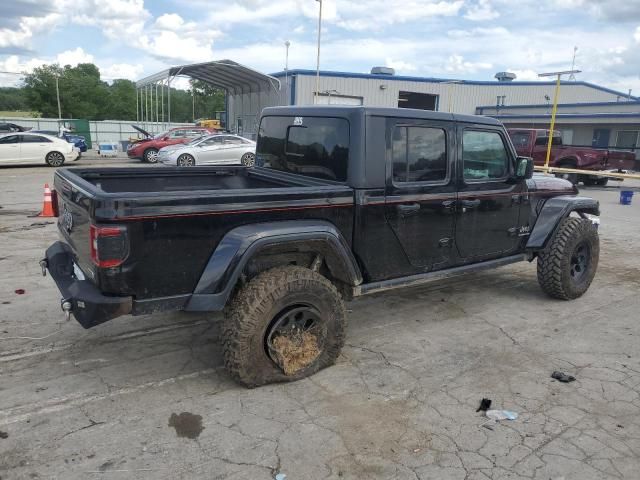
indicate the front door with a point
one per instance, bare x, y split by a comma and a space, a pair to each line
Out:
421, 191
209, 150
488, 206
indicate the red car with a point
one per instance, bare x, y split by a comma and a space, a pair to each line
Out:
147, 148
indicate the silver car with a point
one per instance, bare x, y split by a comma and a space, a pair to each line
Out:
218, 149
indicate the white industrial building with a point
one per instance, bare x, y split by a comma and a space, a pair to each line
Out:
588, 114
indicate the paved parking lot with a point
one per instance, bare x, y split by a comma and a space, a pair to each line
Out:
147, 397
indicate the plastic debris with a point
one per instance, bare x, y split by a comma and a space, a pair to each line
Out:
562, 377
501, 415
485, 404
281, 476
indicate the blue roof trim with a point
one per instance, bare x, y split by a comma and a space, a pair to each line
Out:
544, 105
570, 115
328, 73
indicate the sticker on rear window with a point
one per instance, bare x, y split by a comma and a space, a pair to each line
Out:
297, 121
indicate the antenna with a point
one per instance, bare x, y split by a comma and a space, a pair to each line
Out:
573, 64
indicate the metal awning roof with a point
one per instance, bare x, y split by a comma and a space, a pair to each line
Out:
225, 74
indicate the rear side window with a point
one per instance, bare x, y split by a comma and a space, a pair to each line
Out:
8, 139
312, 146
419, 154
520, 139
484, 155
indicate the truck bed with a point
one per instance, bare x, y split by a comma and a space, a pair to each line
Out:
181, 213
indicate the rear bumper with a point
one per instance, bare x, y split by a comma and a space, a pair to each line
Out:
88, 305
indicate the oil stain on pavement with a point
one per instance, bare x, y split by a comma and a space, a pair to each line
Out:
186, 424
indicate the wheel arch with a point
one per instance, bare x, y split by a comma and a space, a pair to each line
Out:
551, 215
249, 243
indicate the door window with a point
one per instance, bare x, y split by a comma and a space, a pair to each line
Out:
34, 139
178, 134
9, 139
419, 154
212, 141
233, 141
627, 139
484, 156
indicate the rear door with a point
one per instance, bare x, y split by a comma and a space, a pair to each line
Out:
33, 148
10, 149
421, 190
488, 206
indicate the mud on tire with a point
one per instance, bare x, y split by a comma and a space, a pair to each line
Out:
251, 315
568, 264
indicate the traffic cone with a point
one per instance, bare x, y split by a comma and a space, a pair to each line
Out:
47, 206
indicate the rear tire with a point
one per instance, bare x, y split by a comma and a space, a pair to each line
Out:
589, 181
54, 159
602, 182
572, 177
150, 155
257, 311
248, 159
568, 264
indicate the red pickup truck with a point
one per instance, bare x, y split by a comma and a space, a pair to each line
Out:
531, 142
147, 148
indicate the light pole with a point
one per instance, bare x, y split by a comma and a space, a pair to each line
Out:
318, 59
286, 69
554, 109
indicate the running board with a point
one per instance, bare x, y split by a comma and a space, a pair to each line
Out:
422, 278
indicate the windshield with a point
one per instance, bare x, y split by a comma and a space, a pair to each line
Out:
197, 140
312, 146
160, 135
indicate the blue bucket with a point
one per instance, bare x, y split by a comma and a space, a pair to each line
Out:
625, 197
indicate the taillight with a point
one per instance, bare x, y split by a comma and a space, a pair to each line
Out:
109, 245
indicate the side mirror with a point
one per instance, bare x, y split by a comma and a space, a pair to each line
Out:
165, 138
524, 168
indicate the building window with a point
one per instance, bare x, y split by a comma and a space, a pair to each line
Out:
419, 154
627, 139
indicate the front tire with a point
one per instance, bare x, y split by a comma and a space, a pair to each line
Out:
186, 160
54, 159
278, 304
150, 155
248, 159
568, 264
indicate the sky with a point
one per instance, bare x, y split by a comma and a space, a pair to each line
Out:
458, 39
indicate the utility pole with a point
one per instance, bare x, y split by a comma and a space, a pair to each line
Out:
318, 59
573, 64
554, 110
58, 98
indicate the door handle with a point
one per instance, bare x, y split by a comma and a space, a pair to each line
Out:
408, 209
471, 203
449, 205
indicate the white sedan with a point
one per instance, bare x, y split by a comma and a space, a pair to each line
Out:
218, 149
20, 148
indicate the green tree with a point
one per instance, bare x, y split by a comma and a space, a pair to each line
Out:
12, 99
122, 101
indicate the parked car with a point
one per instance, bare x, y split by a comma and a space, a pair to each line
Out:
350, 201
26, 147
210, 150
11, 127
531, 142
147, 148
77, 140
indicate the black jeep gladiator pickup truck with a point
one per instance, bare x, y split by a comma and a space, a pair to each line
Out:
344, 201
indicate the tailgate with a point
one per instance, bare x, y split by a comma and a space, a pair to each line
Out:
74, 206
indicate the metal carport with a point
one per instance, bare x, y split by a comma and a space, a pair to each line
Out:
241, 84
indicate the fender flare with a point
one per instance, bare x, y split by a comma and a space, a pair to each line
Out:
243, 243
553, 212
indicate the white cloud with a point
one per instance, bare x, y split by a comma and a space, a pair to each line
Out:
636, 35
481, 12
28, 27
400, 66
121, 70
457, 64
299, 29
74, 57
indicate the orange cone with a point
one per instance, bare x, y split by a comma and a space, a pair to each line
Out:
47, 207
